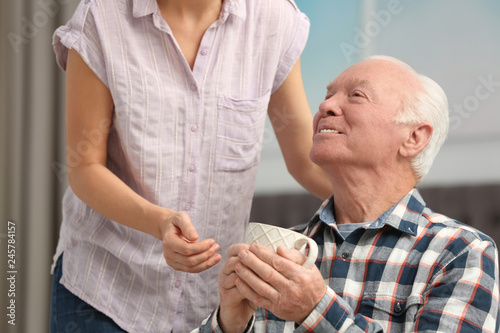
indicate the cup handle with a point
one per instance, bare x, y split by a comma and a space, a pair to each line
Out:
313, 250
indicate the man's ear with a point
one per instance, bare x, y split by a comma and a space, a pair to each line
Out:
417, 140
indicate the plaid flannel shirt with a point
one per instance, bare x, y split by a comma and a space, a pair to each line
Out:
412, 270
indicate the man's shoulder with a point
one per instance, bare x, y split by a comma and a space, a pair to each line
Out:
443, 226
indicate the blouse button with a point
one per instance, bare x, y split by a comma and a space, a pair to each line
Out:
345, 255
187, 207
194, 128
398, 308
192, 87
204, 51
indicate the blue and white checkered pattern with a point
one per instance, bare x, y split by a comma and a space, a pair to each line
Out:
412, 270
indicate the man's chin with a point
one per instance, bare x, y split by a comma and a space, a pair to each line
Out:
319, 156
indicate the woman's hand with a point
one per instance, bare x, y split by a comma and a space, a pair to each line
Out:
180, 248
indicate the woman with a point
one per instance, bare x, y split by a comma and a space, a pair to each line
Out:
165, 109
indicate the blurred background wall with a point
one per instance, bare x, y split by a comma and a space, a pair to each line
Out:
32, 177
455, 42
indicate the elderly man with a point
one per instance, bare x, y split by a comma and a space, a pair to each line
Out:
386, 262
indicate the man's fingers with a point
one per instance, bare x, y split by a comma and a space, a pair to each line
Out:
229, 281
292, 255
278, 262
285, 261
253, 288
229, 266
259, 276
278, 284
235, 249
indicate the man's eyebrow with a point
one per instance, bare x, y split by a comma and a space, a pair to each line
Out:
329, 87
365, 83
372, 92
352, 82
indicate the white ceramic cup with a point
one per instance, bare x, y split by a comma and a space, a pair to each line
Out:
271, 237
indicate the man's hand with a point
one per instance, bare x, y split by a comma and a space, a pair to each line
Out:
235, 311
180, 248
278, 282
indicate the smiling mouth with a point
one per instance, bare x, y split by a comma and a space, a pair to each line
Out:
329, 131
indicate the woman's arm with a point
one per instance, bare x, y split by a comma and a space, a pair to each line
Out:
293, 125
89, 108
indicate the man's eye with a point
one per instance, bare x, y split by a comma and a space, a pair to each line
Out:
357, 94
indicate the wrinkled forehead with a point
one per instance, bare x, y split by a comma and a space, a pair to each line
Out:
381, 76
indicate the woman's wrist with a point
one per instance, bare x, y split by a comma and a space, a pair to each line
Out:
157, 217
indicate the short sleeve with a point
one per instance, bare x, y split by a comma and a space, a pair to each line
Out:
295, 41
82, 34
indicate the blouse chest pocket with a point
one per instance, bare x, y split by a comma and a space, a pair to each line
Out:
240, 127
398, 309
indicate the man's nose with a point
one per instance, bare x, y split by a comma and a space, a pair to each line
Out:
330, 107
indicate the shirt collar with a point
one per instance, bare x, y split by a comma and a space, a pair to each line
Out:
234, 7
143, 7
403, 216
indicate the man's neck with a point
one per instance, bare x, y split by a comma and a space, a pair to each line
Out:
363, 198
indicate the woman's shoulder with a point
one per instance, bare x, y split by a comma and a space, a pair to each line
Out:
107, 7
276, 8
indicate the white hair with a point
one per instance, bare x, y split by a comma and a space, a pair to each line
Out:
427, 105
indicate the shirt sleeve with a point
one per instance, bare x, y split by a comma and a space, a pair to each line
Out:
81, 33
333, 314
461, 296
294, 42
211, 325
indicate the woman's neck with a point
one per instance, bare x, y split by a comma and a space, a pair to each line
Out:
191, 9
